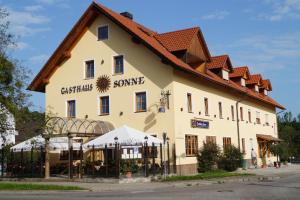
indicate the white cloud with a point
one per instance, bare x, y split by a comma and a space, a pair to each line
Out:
39, 59
59, 3
216, 15
26, 23
263, 53
33, 8
19, 46
282, 9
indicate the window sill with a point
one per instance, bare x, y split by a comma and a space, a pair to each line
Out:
190, 156
142, 111
118, 74
191, 112
89, 78
104, 114
102, 39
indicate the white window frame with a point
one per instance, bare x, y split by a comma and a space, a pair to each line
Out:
243, 82
113, 65
97, 31
134, 101
66, 107
84, 68
99, 108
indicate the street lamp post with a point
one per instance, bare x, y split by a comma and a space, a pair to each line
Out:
146, 156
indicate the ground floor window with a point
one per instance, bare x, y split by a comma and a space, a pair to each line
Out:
71, 108
211, 139
191, 145
104, 105
140, 101
226, 142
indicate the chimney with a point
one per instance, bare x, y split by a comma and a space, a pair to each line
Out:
127, 14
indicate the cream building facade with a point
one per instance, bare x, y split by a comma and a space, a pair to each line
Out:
202, 102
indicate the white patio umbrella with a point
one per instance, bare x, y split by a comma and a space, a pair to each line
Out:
55, 143
125, 136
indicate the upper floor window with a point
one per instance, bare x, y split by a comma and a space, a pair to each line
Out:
191, 145
267, 119
104, 105
206, 106
189, 102
249, 116
103, 32
119, 64
89, 69
71, 108
243, 82
257, 117
225, 75
220, 110
256, 88
140, 101
232, 112
241, 114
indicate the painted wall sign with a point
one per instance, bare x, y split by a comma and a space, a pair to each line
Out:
76, 89
129, 82
199, 124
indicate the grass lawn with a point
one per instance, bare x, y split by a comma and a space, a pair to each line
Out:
207, 175
31, 186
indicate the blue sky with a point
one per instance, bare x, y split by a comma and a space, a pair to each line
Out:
263, 34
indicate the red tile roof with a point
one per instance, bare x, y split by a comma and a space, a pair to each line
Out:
177, 40
149, 39
254, 79
266, 84
218, 62
239, 72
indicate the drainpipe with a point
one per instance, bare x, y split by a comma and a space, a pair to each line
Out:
238, 122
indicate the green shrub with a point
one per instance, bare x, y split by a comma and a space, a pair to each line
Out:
208, 156
230, 159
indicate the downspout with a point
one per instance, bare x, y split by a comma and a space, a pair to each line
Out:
238, 120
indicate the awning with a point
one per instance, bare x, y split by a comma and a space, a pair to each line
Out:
268, 138
55, 143
125, 136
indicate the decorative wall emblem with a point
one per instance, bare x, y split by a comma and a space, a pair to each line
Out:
103, 83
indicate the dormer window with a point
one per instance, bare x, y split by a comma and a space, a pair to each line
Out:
265, 92
256, 88
243, 82
225, 75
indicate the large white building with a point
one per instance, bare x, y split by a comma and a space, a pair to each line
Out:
111, 68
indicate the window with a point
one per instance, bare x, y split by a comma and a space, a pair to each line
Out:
226, 142
243, 82
256, 88
104, 105
232, 113
118, 65
225, 75
220, 110
267, 119
191, 145
241, 114
103, 33
189, 102
206, 106
257, 117
89, 69
211, 139
243, 146
140, 100
249, 116
71, 110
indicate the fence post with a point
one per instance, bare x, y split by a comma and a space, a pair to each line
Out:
31, 162
146, 158
47, 158
11, 162
153, 159
161, 158
93, 160
2, 161
71, 162
81, 158
22, 171
41, 161
168, 156
116, 159
106, 161
174, 159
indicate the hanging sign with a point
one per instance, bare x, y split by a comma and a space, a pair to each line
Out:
199, 124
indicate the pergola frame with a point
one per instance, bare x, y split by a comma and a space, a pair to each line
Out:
71, 127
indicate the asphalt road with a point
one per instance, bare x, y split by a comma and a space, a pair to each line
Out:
284, 188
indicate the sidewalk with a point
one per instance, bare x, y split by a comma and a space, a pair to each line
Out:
262, 175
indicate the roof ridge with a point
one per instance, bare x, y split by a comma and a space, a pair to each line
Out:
196, 27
